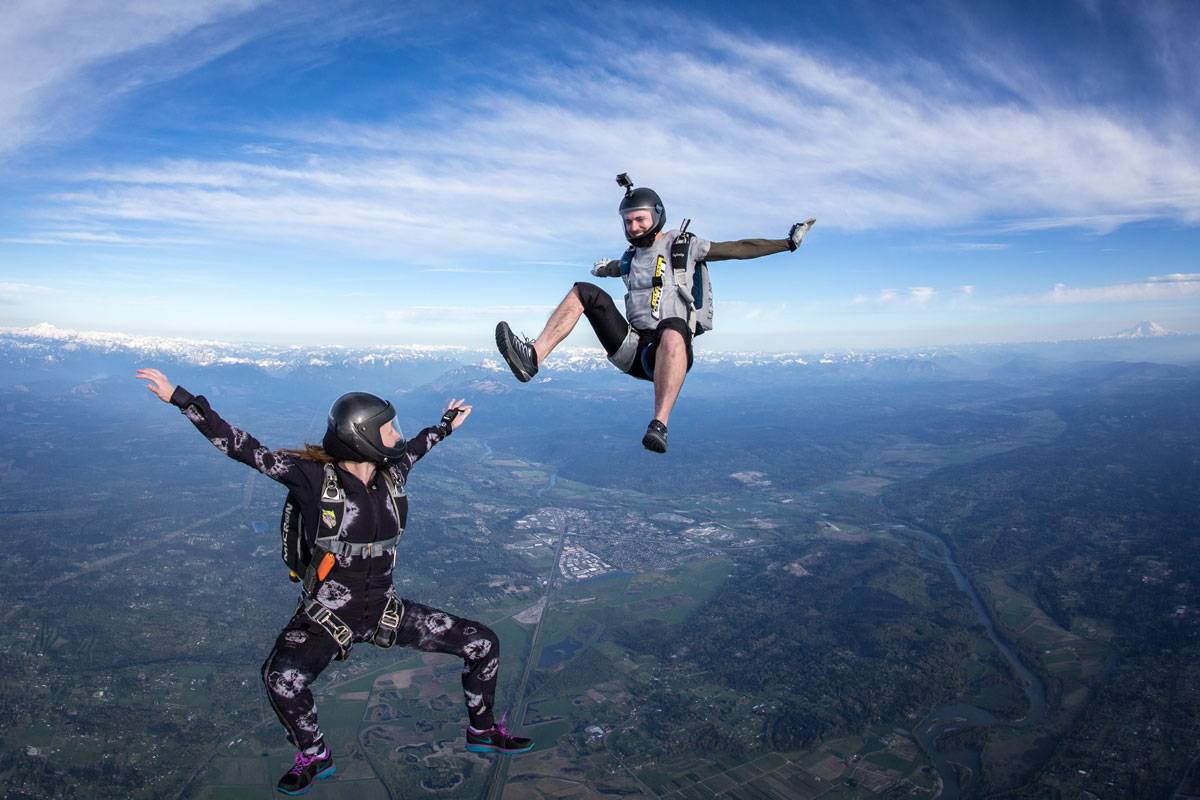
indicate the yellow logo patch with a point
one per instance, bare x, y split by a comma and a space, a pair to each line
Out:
657, 293
328, 518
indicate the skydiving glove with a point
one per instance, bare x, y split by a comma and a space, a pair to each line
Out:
796, 234
601, 269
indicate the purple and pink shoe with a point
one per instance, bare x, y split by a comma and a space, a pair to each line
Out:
497, 739
306, 771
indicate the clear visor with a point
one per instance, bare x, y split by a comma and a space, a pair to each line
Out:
646, 214
396, 427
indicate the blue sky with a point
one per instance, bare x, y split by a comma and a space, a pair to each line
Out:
353, 173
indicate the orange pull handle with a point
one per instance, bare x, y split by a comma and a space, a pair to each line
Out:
326, 565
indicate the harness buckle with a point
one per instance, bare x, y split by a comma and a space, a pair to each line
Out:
390, 619
340, 631
389, 623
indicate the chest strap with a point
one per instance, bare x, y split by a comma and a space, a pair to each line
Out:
333, 505
356, 549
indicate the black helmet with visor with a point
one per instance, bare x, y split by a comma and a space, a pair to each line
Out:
641, 199
353, 430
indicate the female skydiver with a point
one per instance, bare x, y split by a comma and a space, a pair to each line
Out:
360, 470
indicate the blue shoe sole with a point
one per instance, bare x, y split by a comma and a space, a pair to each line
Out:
325, 773
491, 748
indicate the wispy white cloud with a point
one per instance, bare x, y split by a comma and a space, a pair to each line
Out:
767, 134
444, 314
913, 297
921, 295
1157, 287
22, 292
61, 61
65, 65
470, 271
968, 247
746, 311
53, 238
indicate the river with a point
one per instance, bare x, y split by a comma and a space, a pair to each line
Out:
550, 483
956, 717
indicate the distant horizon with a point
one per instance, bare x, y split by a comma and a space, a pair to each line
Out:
46, 330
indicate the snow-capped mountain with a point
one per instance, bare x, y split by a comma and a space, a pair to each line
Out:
48, 340
1142, 330
48, 352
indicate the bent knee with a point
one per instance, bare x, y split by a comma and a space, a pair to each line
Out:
484, 643
670, 338
589, 294
273, 665
672, 327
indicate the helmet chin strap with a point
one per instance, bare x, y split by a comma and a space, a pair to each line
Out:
385, 456
644, 240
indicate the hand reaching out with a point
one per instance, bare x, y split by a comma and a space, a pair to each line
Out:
459, 418
158, 383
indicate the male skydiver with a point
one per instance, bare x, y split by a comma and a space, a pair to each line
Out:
666, 302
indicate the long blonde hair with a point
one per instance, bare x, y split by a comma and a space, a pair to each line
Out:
310, 452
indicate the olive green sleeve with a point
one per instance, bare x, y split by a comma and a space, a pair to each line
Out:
746, 248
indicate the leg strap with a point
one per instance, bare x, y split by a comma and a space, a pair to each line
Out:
389, 622
339, 630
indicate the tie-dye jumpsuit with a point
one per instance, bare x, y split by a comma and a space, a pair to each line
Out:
357, 589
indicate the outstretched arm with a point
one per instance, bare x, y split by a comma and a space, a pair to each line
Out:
233, 442
607, 268
756, 248
455, 415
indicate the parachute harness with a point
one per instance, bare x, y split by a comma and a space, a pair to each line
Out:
333, 505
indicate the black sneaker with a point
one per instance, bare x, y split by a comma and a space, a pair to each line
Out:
656, 437
305, 772
518, 352
497, 739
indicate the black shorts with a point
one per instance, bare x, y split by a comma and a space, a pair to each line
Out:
613, 330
